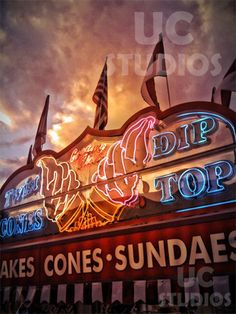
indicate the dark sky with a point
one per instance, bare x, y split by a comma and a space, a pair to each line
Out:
59, 48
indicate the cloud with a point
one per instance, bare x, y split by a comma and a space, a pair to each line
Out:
17, 141
59, 48
9, 161
8, 166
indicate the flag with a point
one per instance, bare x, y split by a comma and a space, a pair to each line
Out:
29, 159
156, 67
228, 85
100, 99
40, 137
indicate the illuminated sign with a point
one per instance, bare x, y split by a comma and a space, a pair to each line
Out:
117, 177
128, 154
14, 196
194, 182
58, 178
21, 224
131, 152
139, 170
187, 136
88, 155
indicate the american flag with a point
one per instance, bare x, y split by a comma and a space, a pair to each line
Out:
156, 67
100, 99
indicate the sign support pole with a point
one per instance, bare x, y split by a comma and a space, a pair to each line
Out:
167, 82
168, 90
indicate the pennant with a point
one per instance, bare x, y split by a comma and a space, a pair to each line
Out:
79, 292
100, 99
191, 289
40, 137
45, 294
140, 290
117, 291
61, 293
97, 292
156, 67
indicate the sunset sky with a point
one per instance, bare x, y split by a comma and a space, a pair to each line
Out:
58, 47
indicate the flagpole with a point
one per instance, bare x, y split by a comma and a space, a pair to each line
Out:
213, 94
167, 82
168, 90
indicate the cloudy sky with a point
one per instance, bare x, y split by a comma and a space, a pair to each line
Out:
58, 47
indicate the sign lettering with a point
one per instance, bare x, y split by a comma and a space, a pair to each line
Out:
21, 224
132, 172
14, 196
158, 252
194, 182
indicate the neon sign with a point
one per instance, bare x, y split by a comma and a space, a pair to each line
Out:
72, 210
78, 199
126, 155
137, 171
58, 180
194, 182
21, 224
88, 155
14, 196
187, 136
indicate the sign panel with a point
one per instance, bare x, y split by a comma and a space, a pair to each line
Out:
148, 167
157, 253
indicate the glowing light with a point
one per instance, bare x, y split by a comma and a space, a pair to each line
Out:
29, 187
193, 182
165, 143
58, 178
202, 127
87, 156
183, 143
198, 183
213, 115
206, 206
220, 170
21, 224
166, 187
121, 157
73, 209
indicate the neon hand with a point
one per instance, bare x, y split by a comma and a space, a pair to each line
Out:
58, 179
125, 156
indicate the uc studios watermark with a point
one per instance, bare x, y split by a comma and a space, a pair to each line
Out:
197, 280
197, 64
180, 64
197, 299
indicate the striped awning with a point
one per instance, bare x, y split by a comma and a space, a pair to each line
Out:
152, 292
